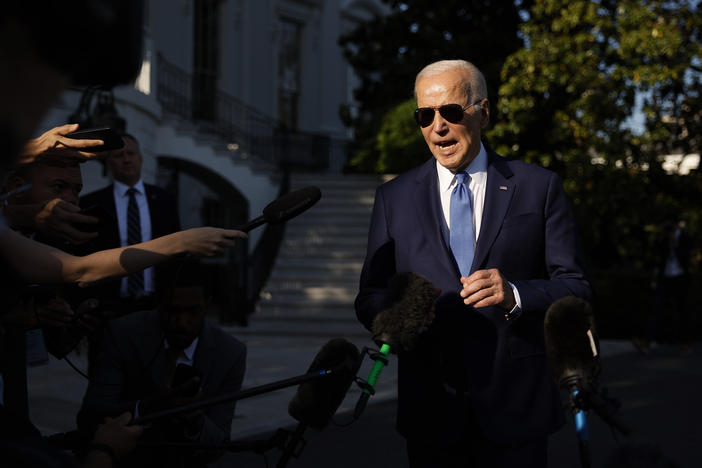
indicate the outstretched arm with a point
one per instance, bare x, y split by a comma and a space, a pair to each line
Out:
40, 263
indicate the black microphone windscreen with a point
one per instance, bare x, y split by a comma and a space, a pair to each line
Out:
569, 335
101, 41
315, 402
404, 311
291, 204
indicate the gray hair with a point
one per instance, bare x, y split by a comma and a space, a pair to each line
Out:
475, 88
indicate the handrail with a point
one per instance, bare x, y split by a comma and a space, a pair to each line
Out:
248, 130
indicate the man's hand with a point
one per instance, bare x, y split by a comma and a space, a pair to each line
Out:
188, 392
487, 288
57, 220
169, 396
209, 241
56, 312
61, 341
86, 322
54, 145
29, 312
117, 435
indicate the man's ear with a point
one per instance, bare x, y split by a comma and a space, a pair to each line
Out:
484, 114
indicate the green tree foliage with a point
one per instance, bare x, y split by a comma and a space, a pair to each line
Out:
399, 144
566, 98
566, 101
387, 52
570, 75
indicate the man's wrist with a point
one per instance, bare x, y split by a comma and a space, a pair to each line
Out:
97, 454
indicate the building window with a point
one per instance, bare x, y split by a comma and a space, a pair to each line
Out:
289, 72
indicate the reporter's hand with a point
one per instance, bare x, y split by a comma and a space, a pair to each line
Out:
57, 219
30, 313
117, 435
183, 394
54, 145
166, 397
87, 322
209, 241
56, 312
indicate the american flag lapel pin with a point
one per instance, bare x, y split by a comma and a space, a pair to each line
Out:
503, 187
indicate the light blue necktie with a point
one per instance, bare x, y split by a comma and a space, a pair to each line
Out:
461, 235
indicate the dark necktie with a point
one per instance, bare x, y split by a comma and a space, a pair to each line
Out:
461, 236
135, 281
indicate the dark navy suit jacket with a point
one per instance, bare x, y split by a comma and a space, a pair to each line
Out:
473, 363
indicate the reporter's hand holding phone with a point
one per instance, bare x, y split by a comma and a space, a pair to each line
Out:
116, 434
53, 144
58, 219
186, 388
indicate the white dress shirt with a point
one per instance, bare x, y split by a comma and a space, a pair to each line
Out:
187, 355
477, 170
672, 265
121, 203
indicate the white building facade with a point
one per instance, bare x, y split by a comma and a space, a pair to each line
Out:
235, 87
230, 92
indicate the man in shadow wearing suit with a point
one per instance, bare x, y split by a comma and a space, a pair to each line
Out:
158, 359
498, 238
131, 212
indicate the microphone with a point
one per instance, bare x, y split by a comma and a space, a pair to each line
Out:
315, 402
336, 364
574, 360
285, 207
569, 335
397, 327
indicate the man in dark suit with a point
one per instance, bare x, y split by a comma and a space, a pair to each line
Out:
498, 238
670, 318
155, 210
153, 360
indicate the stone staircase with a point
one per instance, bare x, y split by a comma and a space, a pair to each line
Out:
315, 278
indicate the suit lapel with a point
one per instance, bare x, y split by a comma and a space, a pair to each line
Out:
149, 340
155, 212
108, 201
425, 198
498, 195
203, 355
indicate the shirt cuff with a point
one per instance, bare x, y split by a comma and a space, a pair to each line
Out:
516, 311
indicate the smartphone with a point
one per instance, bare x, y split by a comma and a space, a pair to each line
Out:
97, 211
111, 139
183, 373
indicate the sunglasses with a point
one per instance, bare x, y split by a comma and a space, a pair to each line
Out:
452, 113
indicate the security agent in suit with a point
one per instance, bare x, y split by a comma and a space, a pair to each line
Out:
158, 215
476, 390
145, 355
